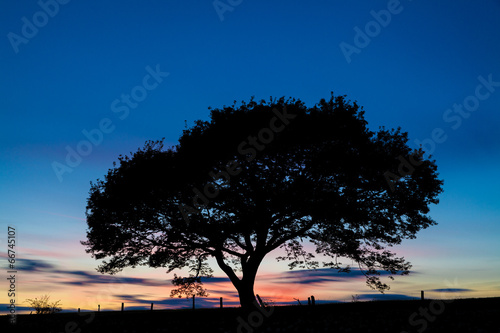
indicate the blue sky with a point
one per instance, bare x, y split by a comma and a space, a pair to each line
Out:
409, 69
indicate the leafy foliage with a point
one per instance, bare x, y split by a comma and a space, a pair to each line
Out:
192, 286
188, 287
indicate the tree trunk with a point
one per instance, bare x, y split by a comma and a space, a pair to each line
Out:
245, 285
246, 294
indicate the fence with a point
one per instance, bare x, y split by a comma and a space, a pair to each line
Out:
311, 301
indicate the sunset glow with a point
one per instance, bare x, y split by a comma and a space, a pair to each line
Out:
68, 112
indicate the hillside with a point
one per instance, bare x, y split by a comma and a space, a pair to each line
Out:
467, 315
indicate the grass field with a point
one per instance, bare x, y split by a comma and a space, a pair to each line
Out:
463, 315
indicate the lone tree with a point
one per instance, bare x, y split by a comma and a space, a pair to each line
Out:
262, 176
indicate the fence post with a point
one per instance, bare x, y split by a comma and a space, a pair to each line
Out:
313, 301
123, 306
221, 306
151, 306
260, 300
309, 301
98, 307
421, 295
78, 310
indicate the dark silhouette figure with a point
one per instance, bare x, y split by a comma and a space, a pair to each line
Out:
262, 176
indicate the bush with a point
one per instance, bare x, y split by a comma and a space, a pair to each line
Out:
43, 305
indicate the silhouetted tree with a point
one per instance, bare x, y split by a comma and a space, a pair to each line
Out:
262, 176
43, 305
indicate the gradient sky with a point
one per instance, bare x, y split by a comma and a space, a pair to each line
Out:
422, 67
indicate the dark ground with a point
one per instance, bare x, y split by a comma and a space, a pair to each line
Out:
466, 315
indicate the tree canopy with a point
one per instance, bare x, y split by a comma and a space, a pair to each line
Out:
260, 176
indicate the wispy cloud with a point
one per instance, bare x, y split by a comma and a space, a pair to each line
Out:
215, 279
452, 290
85, 278
19, 308
321, 275
384, 297
30, 265
80, 277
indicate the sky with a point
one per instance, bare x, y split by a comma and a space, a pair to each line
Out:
85, 81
